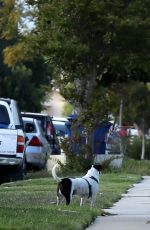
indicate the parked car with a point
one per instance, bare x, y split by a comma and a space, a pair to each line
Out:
133, 132
37, 147
48, 129
62, 126
12, 141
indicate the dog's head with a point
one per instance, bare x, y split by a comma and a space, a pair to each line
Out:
98, 167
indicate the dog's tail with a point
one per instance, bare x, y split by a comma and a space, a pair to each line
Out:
58, 179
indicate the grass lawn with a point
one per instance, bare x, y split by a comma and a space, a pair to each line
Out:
30, 204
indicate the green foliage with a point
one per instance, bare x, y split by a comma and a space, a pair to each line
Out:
139, 105
136, 104
27, 82
140, 167
135, 147
27, 85
24, 74
78, 156
9, 17
95, 48
68, 108
92, 45
95, 34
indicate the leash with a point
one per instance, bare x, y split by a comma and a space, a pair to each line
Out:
92, 177
90, 187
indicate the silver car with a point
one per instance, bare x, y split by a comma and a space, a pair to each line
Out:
37, 147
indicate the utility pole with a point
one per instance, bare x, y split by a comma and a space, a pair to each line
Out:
120, 124
120, 113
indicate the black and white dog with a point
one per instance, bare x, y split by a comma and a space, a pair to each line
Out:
86, 186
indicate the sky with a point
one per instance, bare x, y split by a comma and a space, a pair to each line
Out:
27, 22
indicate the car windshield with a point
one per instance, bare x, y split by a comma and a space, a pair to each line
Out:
4, 117
61, 128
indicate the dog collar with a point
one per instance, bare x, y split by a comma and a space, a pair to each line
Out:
92, 177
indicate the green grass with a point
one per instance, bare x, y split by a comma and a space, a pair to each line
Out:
141, 167
30, 204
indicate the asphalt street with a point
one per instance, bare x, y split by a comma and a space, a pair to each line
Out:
131, 212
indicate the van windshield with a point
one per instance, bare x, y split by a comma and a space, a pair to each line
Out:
4, 117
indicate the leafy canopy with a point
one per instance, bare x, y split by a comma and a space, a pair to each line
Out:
94, 44
24, 75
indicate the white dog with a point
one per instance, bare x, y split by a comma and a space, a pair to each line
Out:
86, 186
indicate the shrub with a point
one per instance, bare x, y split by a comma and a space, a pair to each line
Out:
82, 159
141, 167
77, 160
135, 147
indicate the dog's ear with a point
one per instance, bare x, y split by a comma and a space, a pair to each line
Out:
98, 167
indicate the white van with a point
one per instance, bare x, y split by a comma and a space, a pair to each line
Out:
12, 139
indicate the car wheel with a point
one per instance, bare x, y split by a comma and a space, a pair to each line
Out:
19, 172
44, 166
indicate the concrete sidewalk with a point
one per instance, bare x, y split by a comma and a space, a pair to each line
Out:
132, 212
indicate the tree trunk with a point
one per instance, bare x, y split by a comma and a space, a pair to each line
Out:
142, 135
120, 125
143, 147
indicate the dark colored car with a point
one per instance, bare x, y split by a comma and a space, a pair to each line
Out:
61, 126
48, 129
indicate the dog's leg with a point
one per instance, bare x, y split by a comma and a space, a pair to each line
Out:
69, 197
59, 195
93, 200
58, 200
81, 201
68, 200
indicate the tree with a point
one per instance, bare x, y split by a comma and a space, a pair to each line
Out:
95, 46
135, 96
24, 74
22, 86
94, 43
